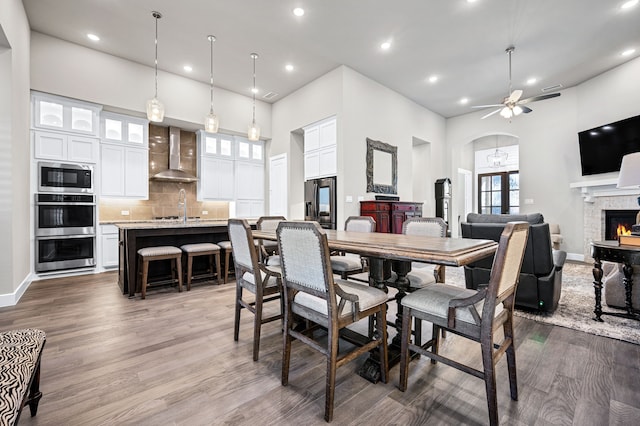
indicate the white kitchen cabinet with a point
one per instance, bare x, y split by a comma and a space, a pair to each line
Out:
119, 128
320, 149
249, 180
216, 178
124, 171
62, 114
109, 246
64, 147
249, 208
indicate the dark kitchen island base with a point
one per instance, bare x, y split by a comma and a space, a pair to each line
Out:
134, 236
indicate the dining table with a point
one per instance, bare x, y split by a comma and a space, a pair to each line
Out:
394, 252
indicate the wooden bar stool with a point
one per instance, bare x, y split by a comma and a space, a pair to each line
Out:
228, 270
202, 249
149, 254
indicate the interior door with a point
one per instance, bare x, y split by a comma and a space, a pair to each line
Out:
499, 193
278, 185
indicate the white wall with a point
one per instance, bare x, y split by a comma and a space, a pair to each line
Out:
548, 141
364, 109
15, 259
71, 70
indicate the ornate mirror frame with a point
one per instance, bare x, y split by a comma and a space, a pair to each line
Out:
390, 149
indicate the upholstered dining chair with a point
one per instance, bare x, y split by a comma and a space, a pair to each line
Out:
269, 249
264, 282
421, 273
312, 294
345, 264
474, 314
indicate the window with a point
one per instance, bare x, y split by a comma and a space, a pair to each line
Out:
499, 193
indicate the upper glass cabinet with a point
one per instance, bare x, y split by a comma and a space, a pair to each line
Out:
64, 114
119, 128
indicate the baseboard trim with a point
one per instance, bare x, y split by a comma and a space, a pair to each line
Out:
575, 257
12, 299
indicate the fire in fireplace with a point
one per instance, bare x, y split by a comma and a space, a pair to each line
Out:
618, 222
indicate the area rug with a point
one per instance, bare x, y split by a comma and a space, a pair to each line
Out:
575, 309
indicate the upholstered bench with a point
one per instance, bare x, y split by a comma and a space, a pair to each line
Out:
20, 353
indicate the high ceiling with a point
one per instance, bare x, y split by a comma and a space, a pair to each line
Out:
463, 43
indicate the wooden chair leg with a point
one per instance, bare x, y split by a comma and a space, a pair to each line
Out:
332, 359
145, 276
286, 349
178, 266
189, 270
490, 382
217, 258
511, 359
435, 336
227, 254
257, 324
418, 331
236, 322
404, 348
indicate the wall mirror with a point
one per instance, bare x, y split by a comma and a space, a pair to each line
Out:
382, 167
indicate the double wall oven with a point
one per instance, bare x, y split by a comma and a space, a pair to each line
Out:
65, 217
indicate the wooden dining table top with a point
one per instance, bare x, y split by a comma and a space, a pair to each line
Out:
415, 248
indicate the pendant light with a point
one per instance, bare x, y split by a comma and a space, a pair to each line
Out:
211, 122
498, 158
254, 130
155, 108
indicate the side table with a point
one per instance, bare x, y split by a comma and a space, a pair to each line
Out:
613, 252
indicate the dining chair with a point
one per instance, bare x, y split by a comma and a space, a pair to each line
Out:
345, 264
473, 314
264, 282
421, 273
269, 249
312, 294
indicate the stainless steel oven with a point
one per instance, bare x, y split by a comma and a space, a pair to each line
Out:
65, 214
61, 177
65, 252
65, 231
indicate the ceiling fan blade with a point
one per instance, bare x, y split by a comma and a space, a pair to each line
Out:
526, 109
515, 95
487, 106
539, 98
491, 113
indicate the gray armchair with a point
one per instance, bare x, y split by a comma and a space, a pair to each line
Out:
541, 273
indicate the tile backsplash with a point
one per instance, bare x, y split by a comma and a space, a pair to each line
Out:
163, 196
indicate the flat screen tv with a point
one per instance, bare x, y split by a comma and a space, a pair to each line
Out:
602, 148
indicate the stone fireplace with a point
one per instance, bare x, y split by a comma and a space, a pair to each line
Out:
621, 208
618, 221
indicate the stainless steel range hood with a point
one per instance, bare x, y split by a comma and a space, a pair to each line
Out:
174, 174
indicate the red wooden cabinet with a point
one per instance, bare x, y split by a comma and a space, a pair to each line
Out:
390, 215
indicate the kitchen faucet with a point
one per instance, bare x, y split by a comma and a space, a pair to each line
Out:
182, 203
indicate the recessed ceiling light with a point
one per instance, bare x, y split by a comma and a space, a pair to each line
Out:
298, 11
532, 81
433, 79
628, 4
254, 90
187, 68
464, 101
93, 37
628, 52
471, 1
288, 67
386, 45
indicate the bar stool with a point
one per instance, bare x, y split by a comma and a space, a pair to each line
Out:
226, 247
149, 254
202, 249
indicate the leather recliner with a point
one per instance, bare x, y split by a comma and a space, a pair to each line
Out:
541, 273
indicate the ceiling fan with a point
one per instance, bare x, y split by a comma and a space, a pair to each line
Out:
512, 105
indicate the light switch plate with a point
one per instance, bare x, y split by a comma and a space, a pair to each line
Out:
528, 200
124, 212
349, 199
205, 212
360, 198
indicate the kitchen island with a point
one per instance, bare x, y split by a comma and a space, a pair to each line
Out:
133, 236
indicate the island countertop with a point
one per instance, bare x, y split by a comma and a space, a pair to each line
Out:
170, 224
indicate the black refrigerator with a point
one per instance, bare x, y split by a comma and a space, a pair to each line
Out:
320, 201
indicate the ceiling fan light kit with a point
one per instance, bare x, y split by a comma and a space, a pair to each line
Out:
512, 105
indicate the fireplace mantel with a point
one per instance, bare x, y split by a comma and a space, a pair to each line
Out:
602, 188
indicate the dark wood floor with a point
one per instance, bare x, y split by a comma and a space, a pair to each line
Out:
171, 359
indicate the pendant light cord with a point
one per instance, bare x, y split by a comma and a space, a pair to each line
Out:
254, 56
211, 40
156, 15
